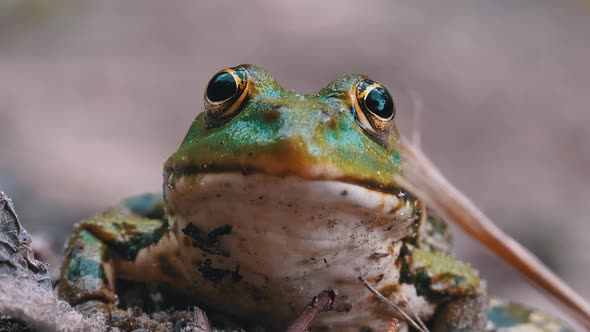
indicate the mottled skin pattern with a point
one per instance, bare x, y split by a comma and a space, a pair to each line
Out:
276, 132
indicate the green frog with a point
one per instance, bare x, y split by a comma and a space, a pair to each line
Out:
274, 196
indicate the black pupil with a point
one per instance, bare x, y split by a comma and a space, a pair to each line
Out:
380, 103
221, 87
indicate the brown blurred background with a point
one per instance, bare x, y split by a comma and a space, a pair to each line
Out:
94, 95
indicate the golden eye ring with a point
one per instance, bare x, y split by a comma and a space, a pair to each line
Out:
373, 107
225, 94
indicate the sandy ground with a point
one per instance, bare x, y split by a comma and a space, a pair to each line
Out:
94, 95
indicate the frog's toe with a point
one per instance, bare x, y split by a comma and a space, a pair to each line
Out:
126, 320
94, 308
109, 313
464, 314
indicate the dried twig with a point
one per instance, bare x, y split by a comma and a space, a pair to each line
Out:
328, 300
413, 312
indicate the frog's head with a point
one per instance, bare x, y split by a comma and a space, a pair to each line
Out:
251, 125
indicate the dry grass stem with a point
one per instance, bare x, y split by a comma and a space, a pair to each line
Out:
418, 325
425, 181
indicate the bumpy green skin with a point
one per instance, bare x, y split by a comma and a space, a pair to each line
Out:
87, 273
279, 132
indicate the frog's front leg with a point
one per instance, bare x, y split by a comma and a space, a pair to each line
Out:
453, 284
88, 273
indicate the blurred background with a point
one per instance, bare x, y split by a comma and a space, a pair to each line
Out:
94, 95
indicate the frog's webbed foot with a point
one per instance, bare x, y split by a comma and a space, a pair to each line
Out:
454, 285
88, 273
462, 314
428, 264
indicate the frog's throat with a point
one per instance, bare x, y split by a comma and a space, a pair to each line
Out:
301, 236
184, 188
290, 207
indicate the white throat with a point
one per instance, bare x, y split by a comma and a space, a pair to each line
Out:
287, 239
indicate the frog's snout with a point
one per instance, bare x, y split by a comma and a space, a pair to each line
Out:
328, 119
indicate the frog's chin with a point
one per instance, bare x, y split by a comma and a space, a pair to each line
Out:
282, 202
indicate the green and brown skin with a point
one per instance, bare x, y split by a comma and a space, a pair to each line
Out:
276, 132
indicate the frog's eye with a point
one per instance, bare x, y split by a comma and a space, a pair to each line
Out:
374, 108
225, 94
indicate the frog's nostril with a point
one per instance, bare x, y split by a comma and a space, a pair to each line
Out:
329, 120
271, 115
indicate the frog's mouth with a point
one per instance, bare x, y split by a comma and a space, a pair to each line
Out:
281, 168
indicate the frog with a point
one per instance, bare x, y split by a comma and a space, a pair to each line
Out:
274, 196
